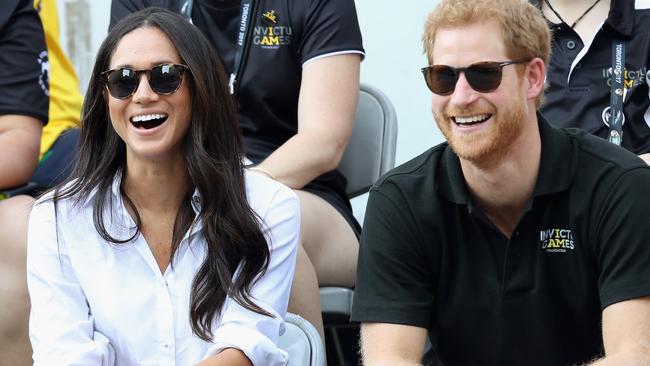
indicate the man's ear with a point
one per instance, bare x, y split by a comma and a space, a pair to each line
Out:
535, 77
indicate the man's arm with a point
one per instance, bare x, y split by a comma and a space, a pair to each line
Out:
626, 333
392, 344
20, 138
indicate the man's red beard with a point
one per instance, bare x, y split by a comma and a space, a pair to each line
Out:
489, 146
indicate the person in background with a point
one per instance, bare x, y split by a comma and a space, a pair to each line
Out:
60, 135
160, 248
294, 69
514, 242
24, 89
587, 36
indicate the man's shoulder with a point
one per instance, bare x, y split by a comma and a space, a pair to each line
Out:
420, 168
592, 148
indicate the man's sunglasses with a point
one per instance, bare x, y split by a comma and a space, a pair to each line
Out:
163, 79
484, 77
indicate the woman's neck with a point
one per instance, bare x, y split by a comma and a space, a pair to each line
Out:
157, 186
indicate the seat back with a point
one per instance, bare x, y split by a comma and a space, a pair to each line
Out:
371, 149
302, 342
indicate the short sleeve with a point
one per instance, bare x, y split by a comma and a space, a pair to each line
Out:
394, 279
331, 26
623, 237
61, 328
24, 64
255, 334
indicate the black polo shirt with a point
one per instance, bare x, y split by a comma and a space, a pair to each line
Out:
578, 91
432, 259
24, 64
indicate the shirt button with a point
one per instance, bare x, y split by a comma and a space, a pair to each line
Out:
571, 45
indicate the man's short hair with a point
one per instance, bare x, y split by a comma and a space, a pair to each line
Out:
525, 31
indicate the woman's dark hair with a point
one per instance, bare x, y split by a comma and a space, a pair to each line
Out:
213, 152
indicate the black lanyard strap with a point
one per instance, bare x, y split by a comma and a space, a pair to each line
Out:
248, 10
617, 94
185, 9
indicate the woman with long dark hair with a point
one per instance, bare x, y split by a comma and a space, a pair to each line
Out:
160, 249
294, 71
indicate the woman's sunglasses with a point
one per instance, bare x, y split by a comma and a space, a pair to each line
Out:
163, 79
484, 77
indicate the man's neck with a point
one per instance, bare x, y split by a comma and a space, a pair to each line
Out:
503, 189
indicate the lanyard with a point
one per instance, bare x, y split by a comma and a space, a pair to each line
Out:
186, 10
617, 94
243, 35
243, 41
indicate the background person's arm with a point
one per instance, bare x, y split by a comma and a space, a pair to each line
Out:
20, 138
626, 333
392, 344
326, 109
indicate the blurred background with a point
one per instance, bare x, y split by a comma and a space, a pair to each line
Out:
392, 35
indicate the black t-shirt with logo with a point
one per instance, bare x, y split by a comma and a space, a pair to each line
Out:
578, 79
285, 35
24, 65
430, 258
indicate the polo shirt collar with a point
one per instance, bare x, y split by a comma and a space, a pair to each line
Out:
621, 16
557, 164
555, 172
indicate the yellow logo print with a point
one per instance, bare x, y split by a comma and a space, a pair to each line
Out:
270, 16
556, 240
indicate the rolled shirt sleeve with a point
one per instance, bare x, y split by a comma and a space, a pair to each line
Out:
256, 334
61, 328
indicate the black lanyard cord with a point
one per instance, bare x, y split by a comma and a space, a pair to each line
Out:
186, 10
248, 11
247, 15
617, 94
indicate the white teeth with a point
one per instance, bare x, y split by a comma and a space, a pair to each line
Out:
148, 117
471, 119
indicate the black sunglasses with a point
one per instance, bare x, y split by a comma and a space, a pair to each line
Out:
163, 79
484, 77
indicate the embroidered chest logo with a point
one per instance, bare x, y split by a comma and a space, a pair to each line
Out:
270, 18
556, 240
271, 35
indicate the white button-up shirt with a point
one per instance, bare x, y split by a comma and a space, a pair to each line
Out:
98, 303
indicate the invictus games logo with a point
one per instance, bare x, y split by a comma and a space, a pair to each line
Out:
269, 17
44, 77
556, 240
272, 34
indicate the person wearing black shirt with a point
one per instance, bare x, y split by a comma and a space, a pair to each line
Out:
579, 75
515, 242
24, 90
